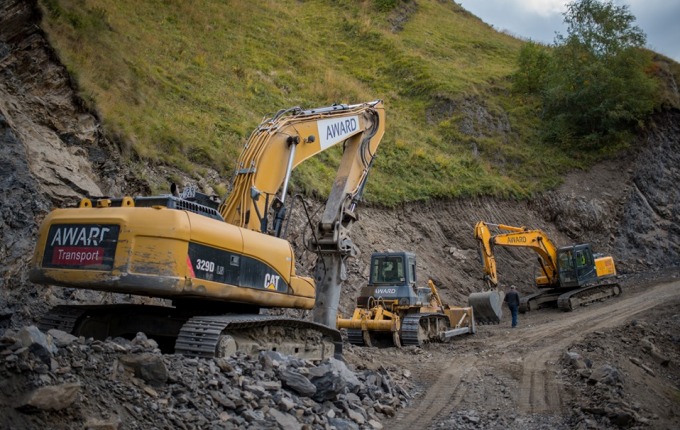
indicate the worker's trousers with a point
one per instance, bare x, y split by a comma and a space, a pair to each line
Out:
514, 309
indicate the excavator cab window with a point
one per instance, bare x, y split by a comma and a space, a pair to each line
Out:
580, 258
566, 262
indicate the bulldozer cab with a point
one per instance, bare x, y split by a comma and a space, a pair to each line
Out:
392, 280
576, 265
394, 269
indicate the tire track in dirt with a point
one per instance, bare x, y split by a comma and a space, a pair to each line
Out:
449, 386
538, 348
538, 390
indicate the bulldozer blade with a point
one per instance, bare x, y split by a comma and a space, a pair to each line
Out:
487, 306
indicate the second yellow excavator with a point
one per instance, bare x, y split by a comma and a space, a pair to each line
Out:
570, 275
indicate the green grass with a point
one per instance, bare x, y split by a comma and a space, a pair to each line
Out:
184, 83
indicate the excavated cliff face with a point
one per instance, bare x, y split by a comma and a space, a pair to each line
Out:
629, 207
51, 148
53, 153
649, 227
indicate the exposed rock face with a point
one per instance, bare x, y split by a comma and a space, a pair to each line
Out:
649, 229
40, 106
629, 207
51, 148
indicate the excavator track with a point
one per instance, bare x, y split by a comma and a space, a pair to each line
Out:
579, 297
223, 335
535, 301
420, 328
197, 336
62, 318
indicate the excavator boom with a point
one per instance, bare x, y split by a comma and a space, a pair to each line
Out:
518, 237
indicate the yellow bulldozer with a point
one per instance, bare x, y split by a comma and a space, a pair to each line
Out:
392, 305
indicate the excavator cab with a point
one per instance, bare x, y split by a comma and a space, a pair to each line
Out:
576, 265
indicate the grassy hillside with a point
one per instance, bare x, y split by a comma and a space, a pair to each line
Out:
184, 83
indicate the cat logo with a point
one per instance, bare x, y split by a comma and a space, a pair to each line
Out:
271, 282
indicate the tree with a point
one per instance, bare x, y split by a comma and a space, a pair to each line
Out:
595, 90
533, 61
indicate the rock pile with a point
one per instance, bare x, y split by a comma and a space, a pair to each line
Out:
55, 380
627, 377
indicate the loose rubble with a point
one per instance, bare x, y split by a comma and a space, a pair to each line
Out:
627, 377
55, 380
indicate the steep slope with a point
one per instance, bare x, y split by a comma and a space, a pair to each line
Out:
51, 147
185, 83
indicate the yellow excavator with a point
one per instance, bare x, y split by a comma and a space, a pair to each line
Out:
570, 276
220, 264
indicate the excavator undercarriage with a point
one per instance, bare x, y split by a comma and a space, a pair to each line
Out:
569, 299
180, 331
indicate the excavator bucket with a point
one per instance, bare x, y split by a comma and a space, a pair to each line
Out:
487, 306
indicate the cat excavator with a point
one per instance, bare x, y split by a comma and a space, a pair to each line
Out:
570, 276
221, 265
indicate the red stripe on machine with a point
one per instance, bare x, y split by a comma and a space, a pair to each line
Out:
191, 267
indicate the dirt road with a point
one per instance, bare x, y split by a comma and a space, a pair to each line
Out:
502, 370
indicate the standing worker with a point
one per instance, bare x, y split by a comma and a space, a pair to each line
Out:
512, 299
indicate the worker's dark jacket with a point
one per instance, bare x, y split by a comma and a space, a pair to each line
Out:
512, 298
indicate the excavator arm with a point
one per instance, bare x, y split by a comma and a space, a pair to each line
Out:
487, 304
518, 237
280, 144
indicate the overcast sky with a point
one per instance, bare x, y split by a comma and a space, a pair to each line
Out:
538, 20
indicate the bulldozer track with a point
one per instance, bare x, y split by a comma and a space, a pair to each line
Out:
410, 332
527, 355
